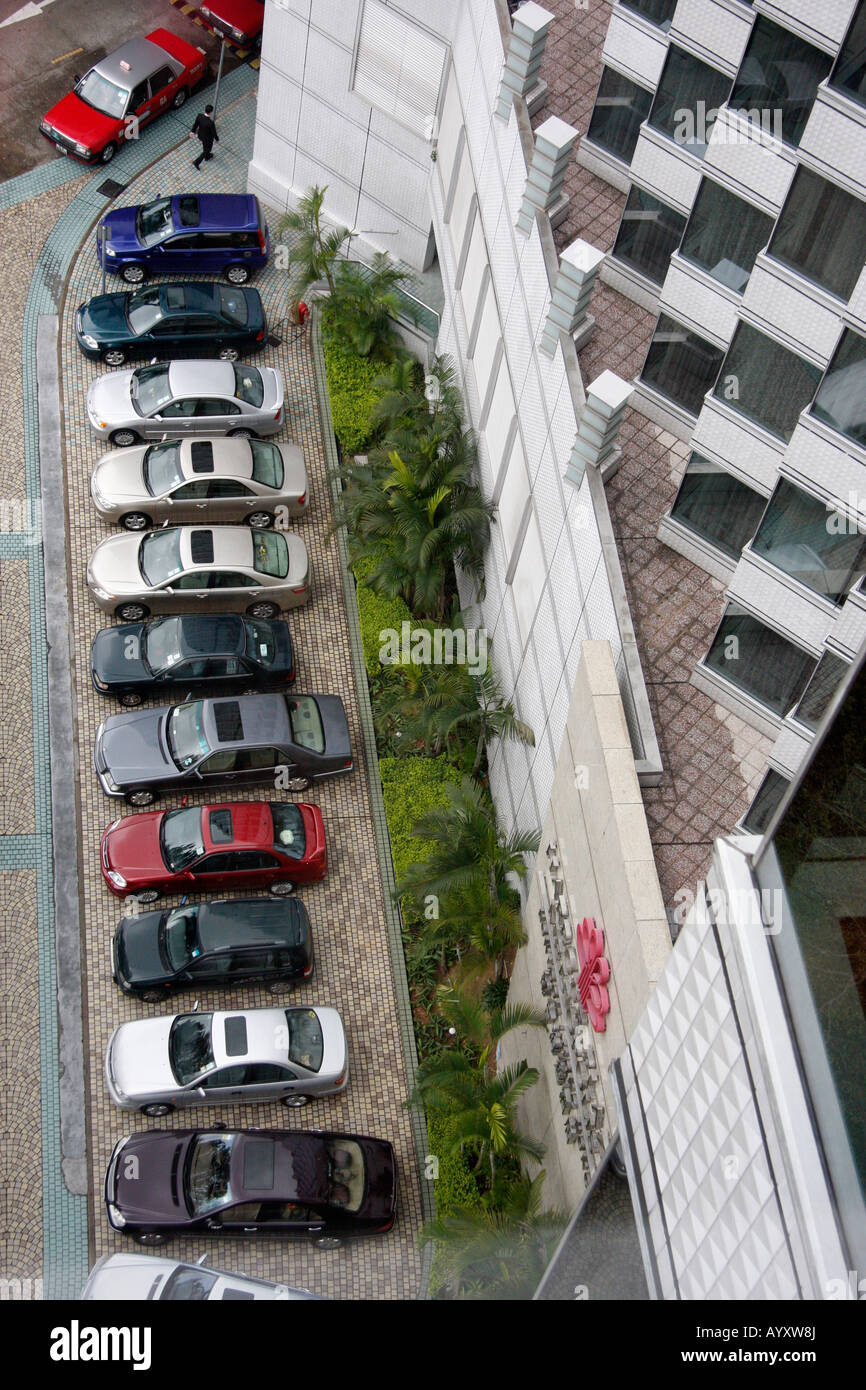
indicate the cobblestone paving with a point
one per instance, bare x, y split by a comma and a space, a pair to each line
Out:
353, 969
713, 760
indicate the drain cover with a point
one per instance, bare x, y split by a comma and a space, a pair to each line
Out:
110, 188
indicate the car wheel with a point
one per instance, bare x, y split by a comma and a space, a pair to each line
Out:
141, 797
147, 895
282, 890
123, 438
260, 520
263, 610
152, 996
133, 273
228, 354
237, 274
241, 434
295, 1102
135, 521
130, 699
155, 1111
114, 357
150, 1238
132, 612
108, 153
280, 987
327, 1242
179, 98
298, 784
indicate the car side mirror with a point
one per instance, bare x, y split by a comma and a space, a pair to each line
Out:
202, 1259
201, 1092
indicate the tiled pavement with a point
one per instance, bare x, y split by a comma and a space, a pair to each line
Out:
713, 760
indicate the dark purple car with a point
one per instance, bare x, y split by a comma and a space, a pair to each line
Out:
275, 1182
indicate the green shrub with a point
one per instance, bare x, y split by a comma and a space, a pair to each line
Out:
350, 386
455, 1187
494, 995
376, 614
411, 787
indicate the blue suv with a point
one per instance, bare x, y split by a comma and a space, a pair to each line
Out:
186, 234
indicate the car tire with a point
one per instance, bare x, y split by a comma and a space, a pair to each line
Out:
136, 521
114, 357
151, 996
132, 612
130, 700
298, 784
108, 153
241, 434
282, 890
133, 273
140, 797
123, 438
157, 1111
263, 610
327, 1242
295, 1102
228, 354
147, 895
262, 521
150, 1238
237, 274
280, 986
180, 97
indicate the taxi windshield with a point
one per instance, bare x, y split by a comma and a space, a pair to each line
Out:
101, 94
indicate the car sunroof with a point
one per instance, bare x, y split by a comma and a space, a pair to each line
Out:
188, 210
201, 456
201, 547
220, 827
259, 1165
229, 725
236, 1036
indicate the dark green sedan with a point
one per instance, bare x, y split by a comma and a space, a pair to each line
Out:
226, 321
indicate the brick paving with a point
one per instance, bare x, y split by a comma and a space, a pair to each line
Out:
713, 760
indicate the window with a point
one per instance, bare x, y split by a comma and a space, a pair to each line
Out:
681, 365
841, 398
213, 405
766, 382
687, 100
724, 235
779, 73
811, 541
648, 235
398, 66
717, 506
849, 74
160, 80
267, 463
270, 554
821, 232
767, 798
306, 723
820, 690
759, 661
658, 12
620, 108
139, 96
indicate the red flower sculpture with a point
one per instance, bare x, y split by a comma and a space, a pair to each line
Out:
594, 973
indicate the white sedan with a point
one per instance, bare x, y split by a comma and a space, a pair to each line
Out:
131, 1277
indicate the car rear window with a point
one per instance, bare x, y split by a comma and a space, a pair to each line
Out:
289, 836
306, 1043
233, 304
306, 723
162, 470
267, 463
270, 554
249, 386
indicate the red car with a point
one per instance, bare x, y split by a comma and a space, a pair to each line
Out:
216, 848
122, 93
240, 21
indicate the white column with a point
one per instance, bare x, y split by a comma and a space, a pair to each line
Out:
569, 305
595, 445
554, 141
523, 60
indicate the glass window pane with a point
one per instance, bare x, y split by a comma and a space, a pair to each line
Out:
659, 12
765, 382
620, 107
648, 235
724, 235
820, 690
681, 365
849, 74
687, 100
779, 73
841, 398
818, 546
759, 660
821, 232
767, 798
717, 506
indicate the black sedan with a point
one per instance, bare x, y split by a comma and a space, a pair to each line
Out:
240, 941
225, 321
269, 1182
286, 740
137, 660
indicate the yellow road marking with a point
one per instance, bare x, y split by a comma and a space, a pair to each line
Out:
71, 54
255, 63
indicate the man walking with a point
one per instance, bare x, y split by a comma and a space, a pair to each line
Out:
206, 131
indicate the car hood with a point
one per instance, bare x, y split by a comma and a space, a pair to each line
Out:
109, 398
114, 654
136, 949
75, 119
146, 1175
120, 476
121, 229
113, 566
132, 845
137, 1057
131, 747
104, 313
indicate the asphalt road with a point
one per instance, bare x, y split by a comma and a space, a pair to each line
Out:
41, 52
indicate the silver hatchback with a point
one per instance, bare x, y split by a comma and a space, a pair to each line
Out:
294, 1056
198, 396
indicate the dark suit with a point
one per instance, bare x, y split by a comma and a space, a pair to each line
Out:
206, 131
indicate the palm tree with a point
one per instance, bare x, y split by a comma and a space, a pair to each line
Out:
483, 1028
480, 1107
316, 247
498, 1252
452, 702
364, 303
467, 843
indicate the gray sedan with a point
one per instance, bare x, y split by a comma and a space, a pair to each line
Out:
198, 397
157, 1065
252, 480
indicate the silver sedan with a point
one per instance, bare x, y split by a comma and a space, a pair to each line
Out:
129, 1276
252, 480
158, 1065
198, 397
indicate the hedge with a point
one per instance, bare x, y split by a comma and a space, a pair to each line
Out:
378, 613
455, 1189
350, 387
411, 787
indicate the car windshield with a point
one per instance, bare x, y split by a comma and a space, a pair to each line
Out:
260, 644
270, 554
162, 470
233, 304
101, 94
178, 938
162, 645
306, 723
267, 463
249, 386
207, 1178
143, 310
186, 738
189, 1047
306, 1044
150, 389
289, 834
153, 221
159, 556
188, 1285
180, 838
